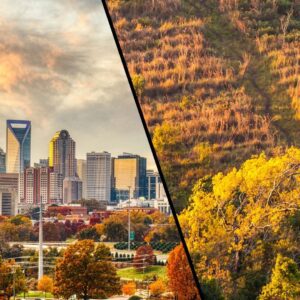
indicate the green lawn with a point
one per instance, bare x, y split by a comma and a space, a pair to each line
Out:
36, 294
132, 273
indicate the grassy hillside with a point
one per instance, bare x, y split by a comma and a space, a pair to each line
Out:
218, 81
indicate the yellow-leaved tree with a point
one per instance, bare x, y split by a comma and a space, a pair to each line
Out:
237, 223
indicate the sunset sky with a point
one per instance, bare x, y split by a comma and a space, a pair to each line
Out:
60, 68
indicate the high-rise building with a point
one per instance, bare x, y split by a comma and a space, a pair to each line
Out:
62, 154
99, 176
72, 187
130, 172
81, 172
8, 194
56, 188
18, 142
35, 185
155, 188
2, 161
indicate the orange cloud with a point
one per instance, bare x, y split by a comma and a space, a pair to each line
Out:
11, 70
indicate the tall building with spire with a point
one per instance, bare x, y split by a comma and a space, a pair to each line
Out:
18, 144
62, 154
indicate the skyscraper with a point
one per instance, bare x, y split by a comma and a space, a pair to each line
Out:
18, 142
62, 159
130, 171
81, 172
99, 176
2, 161
62, 154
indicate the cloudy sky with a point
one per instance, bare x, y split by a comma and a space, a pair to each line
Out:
60, 68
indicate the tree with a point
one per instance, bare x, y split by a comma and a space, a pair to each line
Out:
115, 230
86, 270
285, 281
241, 220
144, 257
88, 233
139, 85
91, 204
11, 276
129, 288
181, 280
45, 284
157, 288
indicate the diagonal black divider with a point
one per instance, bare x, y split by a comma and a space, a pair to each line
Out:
153, 149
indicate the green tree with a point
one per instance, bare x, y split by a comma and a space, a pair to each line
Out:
89, 233
86, 270
285, 281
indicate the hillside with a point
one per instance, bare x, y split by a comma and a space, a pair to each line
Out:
218, 81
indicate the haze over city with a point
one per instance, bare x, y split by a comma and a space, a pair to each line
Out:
63, 71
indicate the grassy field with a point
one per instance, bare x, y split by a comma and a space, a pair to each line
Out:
35, 294
132, 273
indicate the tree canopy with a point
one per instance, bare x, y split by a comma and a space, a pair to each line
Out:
86, 270
238, 222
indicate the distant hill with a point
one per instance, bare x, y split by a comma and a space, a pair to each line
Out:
218, 81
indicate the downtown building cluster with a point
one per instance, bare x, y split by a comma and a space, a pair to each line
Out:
63, 179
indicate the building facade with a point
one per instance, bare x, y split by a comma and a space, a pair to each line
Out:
72, 189
99, 176
155, 188
81, 172
2, 161
18, 145
9, 194
129, 174
35, 186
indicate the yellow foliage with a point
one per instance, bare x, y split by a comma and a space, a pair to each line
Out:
157, 288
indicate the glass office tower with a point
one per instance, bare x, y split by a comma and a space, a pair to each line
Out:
130, 171
18, 144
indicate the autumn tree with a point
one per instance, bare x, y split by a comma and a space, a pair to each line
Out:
11, 277
157, 288
86, 270
144, 257
238, 222
181, 280
139, 85
129, 288
45, 284
285, 280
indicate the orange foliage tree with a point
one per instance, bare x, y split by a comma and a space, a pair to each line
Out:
144, 257
129, 288
157, 287
181, 280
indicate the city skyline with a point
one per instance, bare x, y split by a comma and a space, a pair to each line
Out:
68, 75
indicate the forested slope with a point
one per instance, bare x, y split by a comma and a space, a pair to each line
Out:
218, 80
